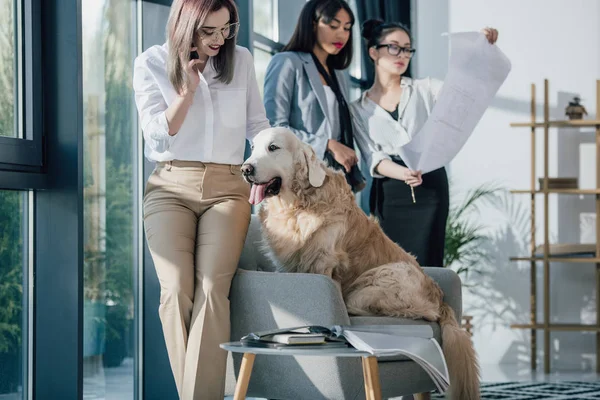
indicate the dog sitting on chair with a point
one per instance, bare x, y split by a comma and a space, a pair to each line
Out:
312, 224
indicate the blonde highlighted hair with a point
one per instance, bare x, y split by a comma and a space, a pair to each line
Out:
185, 19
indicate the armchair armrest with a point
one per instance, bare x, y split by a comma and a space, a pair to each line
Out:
451, 285
268, 300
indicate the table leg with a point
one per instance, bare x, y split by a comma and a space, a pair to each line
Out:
371, 375
366, 378
422, 396
241, 388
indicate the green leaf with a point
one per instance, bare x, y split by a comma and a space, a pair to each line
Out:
465, 236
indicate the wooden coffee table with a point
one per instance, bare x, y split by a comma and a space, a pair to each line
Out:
369, 364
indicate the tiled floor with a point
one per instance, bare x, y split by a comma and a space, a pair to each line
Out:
537, 390
509, 373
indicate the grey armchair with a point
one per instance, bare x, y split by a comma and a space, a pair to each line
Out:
263, 299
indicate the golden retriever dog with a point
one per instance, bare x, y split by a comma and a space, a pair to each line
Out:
312, 224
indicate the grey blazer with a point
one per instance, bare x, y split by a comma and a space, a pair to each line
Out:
294, 98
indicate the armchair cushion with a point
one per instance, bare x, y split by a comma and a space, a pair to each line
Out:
268, 300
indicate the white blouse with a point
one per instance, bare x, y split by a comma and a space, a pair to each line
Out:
378, 135
219, 120
333, 111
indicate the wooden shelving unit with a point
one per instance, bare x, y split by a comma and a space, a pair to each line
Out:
546, 258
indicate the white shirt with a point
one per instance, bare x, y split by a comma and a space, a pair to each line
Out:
334, 113
219, 120
378, 135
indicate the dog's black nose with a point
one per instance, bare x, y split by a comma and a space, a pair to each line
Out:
247, 169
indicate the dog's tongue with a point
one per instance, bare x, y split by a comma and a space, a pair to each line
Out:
257, 193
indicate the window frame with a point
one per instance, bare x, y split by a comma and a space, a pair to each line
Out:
357, 81
262, 42
265, 44
26, 153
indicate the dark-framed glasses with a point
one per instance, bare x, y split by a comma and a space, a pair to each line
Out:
395, 50
228, 31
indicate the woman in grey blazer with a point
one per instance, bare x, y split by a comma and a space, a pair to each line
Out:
306, 91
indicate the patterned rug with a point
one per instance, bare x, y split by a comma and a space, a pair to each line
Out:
538, 390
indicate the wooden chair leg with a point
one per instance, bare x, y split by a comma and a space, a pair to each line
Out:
422, 396
241, 388
371, 375
365, 367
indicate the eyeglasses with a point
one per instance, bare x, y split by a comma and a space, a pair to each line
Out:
228, 31
395, 50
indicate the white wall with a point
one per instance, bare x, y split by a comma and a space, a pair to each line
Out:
551, 39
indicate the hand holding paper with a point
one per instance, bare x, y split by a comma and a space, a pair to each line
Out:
476, 71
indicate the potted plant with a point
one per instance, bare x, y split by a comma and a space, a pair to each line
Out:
465, 237
11, 291
119, 290
94, 326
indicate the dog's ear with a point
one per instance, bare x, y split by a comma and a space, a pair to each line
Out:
316, 173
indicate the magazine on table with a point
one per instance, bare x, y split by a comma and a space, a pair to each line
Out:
415, 342
304, 337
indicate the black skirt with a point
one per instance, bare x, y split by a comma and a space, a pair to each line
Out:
419, 228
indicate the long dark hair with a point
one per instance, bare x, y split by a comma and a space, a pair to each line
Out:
374, 30
304, 37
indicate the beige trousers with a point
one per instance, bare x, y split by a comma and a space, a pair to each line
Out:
196, 218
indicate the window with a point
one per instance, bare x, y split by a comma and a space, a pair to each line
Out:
266, 36
20, 126
265, 18
110, 138
13, 294
261, 62
355, 69
9, 65
356, 87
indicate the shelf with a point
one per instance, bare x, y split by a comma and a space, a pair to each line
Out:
564, 252
591, 260
559, 191
567, 249
547, 253
559, 327
558, 124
